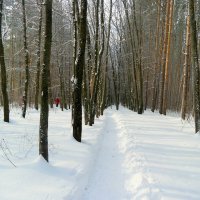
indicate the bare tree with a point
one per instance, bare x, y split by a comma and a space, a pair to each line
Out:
37, 80
195, 63
78, 73
3, 70
44, 113
26, 56
186, 71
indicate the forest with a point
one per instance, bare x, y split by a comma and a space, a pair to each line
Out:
133, 56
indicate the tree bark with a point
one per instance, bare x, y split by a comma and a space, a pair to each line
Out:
78, 74
162, 82
186, 72
195, 63
164, 107
44, 113
26, 54
104, 92
156, 66
95, 73
3, 71
37, 81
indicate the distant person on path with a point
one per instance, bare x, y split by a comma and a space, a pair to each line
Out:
57, 101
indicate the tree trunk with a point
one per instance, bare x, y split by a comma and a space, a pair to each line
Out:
44, 113
195, 63
99, 63
104, 92
133, 57
156, 65
162, 82
164, 108
78, 74
37, 81
26, 53
186, 72
95, 70
3, 71
51, 99
75, 44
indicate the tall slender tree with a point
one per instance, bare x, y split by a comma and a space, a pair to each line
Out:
165, 92
37, 80
26, 56
44, 113
186, 72
157, 57
105, 72
3, 70
162, 84
95, 71
195, 63
78, 73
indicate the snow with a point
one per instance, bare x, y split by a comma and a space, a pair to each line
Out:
124, 156
74, 80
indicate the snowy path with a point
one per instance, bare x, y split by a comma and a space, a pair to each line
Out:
107, 178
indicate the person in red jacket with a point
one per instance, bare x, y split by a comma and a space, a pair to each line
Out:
57, 101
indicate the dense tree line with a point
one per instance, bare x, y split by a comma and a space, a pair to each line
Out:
94, 54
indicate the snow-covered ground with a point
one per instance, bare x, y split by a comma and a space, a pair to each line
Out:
124, 156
